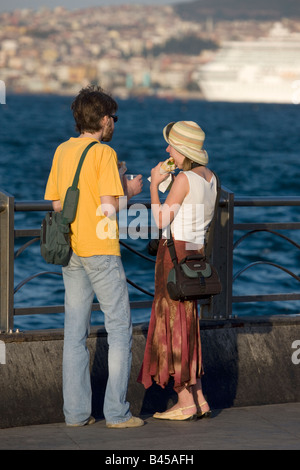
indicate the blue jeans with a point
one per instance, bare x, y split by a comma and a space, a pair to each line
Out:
83, 278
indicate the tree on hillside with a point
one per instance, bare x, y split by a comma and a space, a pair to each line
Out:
187, 45
267, 10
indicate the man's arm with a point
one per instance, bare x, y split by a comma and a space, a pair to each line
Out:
57, 206
111, 204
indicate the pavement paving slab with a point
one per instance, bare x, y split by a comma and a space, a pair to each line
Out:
268, 427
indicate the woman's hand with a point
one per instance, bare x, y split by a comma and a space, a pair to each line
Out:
156, 176
165, 213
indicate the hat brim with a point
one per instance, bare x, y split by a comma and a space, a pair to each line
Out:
166, 131
202, 159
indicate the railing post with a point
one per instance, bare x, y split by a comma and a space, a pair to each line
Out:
6, 261
222, 258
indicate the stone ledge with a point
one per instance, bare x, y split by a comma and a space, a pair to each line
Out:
138, 328
247, 361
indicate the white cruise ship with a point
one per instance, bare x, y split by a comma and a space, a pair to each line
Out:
266, 70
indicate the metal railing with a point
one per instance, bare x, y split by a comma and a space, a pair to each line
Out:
222, 256
270, 227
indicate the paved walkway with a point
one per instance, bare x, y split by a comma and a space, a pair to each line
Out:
250, 428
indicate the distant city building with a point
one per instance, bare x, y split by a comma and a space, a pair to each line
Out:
120, 48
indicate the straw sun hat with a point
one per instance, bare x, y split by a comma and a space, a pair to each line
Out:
187, 138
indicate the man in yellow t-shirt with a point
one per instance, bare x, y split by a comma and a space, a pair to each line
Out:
99, 177
95, 267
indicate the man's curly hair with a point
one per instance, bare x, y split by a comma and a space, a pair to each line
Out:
90, 106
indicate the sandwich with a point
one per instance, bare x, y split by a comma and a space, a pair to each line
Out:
168, 166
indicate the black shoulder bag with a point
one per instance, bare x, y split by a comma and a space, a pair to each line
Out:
55, 229
194, 277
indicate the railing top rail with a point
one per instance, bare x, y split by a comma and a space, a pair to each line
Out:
22, 206
259, 201
239, 201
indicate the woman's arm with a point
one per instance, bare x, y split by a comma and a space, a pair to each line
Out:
164, 213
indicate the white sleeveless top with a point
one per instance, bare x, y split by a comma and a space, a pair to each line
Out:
196, 211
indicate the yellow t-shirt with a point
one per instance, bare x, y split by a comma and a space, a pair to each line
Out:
91, 232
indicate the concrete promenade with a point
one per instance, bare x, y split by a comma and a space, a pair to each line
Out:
267, 427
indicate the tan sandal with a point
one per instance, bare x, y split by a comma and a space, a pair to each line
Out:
203, 414
176, 415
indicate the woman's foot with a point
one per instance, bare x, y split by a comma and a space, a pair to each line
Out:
203, 410
176, 413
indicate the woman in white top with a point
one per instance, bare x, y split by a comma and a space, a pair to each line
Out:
173, 348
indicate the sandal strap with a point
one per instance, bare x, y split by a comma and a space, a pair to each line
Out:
187, 407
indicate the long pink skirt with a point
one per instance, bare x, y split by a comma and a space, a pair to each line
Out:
173, 347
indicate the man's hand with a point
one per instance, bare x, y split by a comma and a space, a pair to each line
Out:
133, 187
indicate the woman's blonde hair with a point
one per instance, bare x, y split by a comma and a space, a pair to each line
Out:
187, 164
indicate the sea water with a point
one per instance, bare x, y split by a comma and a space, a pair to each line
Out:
254, 148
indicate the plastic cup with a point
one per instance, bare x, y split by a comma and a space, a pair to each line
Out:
130, 177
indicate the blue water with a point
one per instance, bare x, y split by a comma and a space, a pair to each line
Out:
255, 148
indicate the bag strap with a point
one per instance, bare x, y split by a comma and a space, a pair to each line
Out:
171, 246
208, 248
76, 177
74, 201
210, 231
